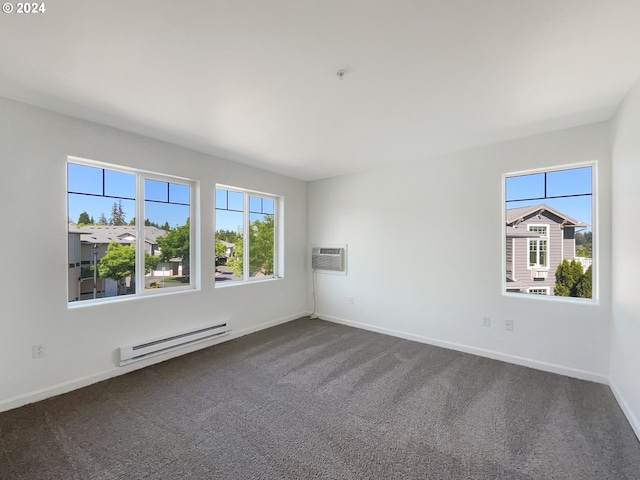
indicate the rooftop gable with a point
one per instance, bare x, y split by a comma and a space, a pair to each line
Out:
517, 215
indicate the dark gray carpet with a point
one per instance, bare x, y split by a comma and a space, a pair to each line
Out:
311, 399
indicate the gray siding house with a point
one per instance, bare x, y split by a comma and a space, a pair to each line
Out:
89, 243
538, 238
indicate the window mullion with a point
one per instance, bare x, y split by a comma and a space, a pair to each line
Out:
245, 243
140, 272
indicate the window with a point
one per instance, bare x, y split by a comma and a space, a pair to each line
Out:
539, 291
247, 244
549, 232
105, 253
538, 247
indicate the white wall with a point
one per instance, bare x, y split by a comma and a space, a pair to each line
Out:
625, 322
425, 255
81, 342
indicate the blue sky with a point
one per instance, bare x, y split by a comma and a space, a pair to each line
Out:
89, 180
561, 182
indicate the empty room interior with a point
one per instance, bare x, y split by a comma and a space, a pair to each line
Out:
302, 239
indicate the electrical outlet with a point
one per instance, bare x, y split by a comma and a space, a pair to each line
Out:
351, 300
38, 351
486, 321
508, 325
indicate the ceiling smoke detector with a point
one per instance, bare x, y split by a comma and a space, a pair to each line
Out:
341, 73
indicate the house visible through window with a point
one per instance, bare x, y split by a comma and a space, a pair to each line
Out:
246, 242
549, 232
111, 253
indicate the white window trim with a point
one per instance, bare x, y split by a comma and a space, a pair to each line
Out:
595, 229
541, 237
278, 208
140, 176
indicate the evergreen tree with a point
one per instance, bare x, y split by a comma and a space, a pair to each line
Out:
572, 281
84, 219
117, 214
584, 285
102, 220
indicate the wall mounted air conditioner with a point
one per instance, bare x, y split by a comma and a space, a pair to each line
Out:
329, 259
539, 274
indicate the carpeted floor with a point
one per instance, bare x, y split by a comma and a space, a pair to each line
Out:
312, 399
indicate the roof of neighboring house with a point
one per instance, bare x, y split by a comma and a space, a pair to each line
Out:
516, 215
227, 244
74, 228
515, 285
124, 234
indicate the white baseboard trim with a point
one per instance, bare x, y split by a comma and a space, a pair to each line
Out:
65, 387
523, 361
626, 409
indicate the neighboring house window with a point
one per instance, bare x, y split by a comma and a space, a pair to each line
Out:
539, 291
538, 248
247, 241
549, 232
110, 252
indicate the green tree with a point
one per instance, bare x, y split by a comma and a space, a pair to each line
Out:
228, 236
235, 262
117, 214
102, 220
584, 285
221, 250
84, 219
584, 244
175, 244
92, 221
119, 262
568, 276
261, 249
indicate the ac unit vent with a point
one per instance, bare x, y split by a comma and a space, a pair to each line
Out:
328, 259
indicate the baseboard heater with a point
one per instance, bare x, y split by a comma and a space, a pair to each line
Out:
134, 353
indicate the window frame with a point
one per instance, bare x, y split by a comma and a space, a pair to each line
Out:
139, 212
278, 244
595, 226
544, 238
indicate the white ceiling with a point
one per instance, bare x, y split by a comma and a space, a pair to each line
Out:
255, 80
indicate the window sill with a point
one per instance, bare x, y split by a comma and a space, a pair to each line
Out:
247, 282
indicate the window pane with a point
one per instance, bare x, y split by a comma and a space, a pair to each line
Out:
236, 201
229, 244
568, 236
569, 182
543, 253
167, 240
119, 184
267, 206
245, 239
221, 198
83, 179
179, 193
261, 245
154, 190
101, 237
525, 186
255, 205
